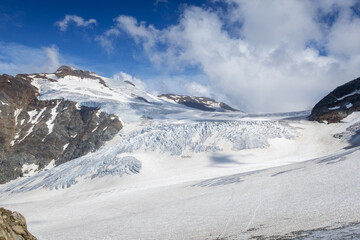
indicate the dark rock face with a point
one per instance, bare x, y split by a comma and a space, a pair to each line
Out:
130, 83
37, 132
13, 226
201, 103
338, 104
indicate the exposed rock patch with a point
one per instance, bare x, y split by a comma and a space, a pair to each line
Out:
69, 71
34, 132
13, 226
130, 83
201, 103
338, 104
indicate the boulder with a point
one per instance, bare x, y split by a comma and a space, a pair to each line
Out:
13, 226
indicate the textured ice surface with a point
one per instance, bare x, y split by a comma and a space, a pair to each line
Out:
205, 136
93, 165
172, 138
347, 232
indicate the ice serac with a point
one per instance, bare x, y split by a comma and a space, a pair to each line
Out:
201, 103
338, 104
37, 132
13, 226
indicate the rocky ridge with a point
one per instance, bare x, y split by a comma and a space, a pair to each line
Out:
338, 104
37, 134
201, 103
13, 226
69, 71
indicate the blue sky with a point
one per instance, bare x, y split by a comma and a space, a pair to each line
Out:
32, 24
251, 54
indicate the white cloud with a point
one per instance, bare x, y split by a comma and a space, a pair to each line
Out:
52, 54
193, 85
79, 21
198, 90
120, 77
106, 40
160, 1
17, 58
262, 55
344, 37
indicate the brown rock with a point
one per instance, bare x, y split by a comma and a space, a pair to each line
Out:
13, 226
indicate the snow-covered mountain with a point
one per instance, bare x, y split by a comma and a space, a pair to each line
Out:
176, 172
37, 134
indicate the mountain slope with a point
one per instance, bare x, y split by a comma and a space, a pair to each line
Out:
174, 172
91, 90
228, 196
338, 104
35, 133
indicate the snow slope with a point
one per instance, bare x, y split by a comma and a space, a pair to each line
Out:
201, 195
125, 100
177, 173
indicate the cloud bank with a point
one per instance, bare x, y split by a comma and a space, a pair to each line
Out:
106, 40
17, 58
262, 55
79, 22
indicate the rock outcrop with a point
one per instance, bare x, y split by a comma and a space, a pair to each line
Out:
35, 133
13, 226
338, 104
69, 71
201, 103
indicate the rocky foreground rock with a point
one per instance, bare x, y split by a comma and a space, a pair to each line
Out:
35, 134
338, 104
13, 226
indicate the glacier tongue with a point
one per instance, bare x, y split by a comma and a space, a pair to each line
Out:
174, 138
98, 164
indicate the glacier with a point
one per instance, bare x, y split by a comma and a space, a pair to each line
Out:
174, 138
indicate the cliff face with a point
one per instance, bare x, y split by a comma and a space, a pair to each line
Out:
338, 104
13, 226
36, 133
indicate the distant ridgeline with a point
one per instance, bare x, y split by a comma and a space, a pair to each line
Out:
201, 103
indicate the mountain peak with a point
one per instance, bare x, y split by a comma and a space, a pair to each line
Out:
64, 70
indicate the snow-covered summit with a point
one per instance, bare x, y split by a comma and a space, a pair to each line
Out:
124, 99
64, 71
92, 90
